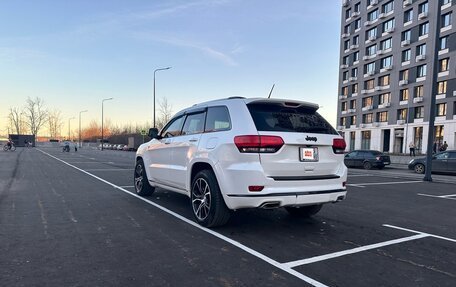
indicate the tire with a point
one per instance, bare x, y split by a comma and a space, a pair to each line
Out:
419, 168
13, 148
303, 211
5, 148
380, 166
367, 165
142, 186
208, 206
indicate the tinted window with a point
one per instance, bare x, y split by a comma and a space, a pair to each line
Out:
194, 124
173, 128
218, 118
276, 117
452, 155
443, 155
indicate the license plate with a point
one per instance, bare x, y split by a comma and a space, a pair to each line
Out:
308, 154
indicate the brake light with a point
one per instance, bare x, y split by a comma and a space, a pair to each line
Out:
258, 144
339, 146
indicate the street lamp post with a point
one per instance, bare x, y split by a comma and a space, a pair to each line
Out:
156, 70
69, 130
80, 126
102, 127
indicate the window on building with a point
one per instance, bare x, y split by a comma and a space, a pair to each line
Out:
345, 60
443, 65
348, 13
345, 91
388, 7
371, 50
345, 76
356, 56
388, 25
353, 104
419, 112
446, 19
357, 6
424, 29
382, 116
354, 72
372, 33
386, 44
444, 2
419, 91
403, 95
357, 24
369, 101
442, 87
347, 29
370, 67
343, 121
353, 120
373, 15
356, 40
367, 118
387, 62
408, 15
404, 75
354, 88
347, 45
384, 98
441, 109
369, 85
421, 49
444, 43
421, 71
406, 55
384, 80
365, 139
423, 7
343, 106
402, 114
407, 35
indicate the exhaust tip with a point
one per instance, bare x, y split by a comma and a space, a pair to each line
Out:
340, 198
270, 205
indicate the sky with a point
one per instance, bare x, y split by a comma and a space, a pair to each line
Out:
73, 54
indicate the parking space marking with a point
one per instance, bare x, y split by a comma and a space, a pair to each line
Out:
79, 162
419, 232
296, 263
450, 197
239, 245
383, 183
109, 169
127, 186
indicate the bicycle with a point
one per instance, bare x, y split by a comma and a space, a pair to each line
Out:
10, 147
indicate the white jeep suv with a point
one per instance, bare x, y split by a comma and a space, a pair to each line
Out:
245, 153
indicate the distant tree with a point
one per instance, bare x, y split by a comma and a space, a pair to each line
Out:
55, 123
36, 115
14, 117
165, 112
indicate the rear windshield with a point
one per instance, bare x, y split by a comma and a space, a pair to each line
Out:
277, 118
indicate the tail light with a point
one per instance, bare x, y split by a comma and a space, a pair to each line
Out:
378, 157
258, 144
339, 146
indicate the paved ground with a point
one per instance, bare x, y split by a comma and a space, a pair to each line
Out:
70, 220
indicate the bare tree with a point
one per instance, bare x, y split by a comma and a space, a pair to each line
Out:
14, 117
55, 123
165, 112
35, 114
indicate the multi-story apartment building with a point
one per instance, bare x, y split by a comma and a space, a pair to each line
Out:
386, 73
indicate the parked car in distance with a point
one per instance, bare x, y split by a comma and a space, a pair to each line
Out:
442, 162
125, 148
120, 147
239, 153
366, 159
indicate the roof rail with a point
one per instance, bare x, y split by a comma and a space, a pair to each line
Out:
235, 97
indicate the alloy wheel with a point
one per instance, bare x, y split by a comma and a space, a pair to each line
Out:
201, 199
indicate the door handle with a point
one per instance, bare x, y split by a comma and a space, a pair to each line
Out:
193, 140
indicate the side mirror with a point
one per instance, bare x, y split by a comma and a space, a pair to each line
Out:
347, 155
153, 133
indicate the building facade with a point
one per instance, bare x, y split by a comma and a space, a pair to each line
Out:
387, 54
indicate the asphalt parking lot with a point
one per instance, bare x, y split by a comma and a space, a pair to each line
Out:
70, 219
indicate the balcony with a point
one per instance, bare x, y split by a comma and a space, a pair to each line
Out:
380, 52
386, 68
403, 82
405, 43
354, 47
343, 66
342, 97
423, 15
356, 14
352, 79
368, 57
375, 124
454, 93
407, 3
390, 30
340, 127
345, 3
400, 122
381, 16
418, 100
384, 105
370, 73
351, 110
420, 58
367, 108
372, 38
363, 92
345, 35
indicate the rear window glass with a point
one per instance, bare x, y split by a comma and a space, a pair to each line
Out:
276, 117
217, 119
194, 124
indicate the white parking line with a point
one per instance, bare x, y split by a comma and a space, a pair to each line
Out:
109, 169
78, 162
383, 183
419, 232
249, 250
352, 251
127, 186
450, 197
